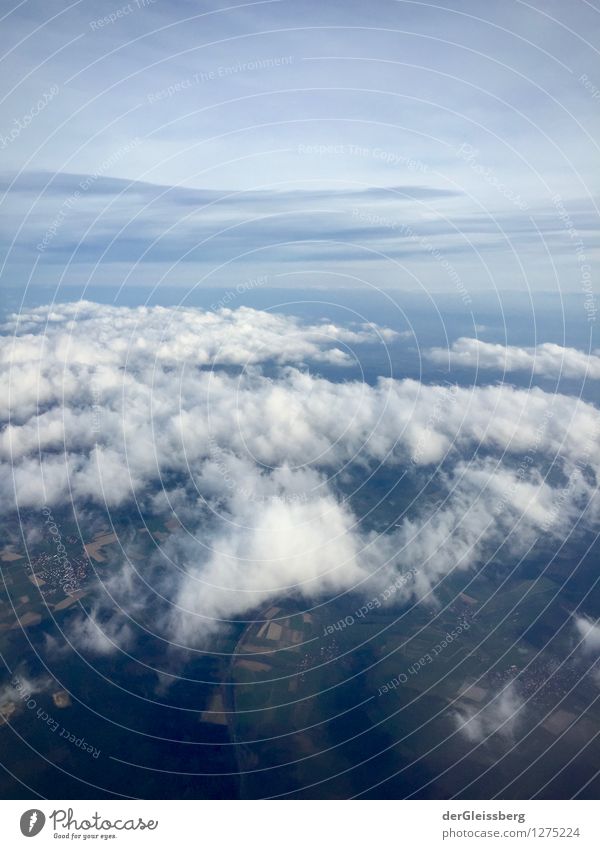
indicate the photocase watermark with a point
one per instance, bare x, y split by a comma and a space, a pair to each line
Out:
201, 77
245, 286
409, 232
382, 221
96, 822
374, 603
32, 822
389, 157
69, 579
470, 154
25, 120
84, 185
439, 410
585, 269
589, 86
48, 720
119, 13
96, 407
425, 660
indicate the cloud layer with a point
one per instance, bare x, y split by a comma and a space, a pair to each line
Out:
113, 407
547, 359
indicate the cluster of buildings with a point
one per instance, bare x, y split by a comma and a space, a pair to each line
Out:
57, 576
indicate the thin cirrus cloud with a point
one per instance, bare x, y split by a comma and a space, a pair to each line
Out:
300, 110
115, 407
546, 359
115, 220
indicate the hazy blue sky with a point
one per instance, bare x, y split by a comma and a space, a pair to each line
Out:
402, 144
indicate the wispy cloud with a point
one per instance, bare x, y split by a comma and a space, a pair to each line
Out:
547, 359
244, 131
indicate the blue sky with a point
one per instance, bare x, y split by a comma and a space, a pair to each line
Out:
447, 147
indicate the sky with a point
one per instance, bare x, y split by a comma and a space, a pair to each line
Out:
404, 145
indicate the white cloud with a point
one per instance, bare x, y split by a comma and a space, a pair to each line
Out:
96, 334
589, 633
307, 548
99, 634
501, 714
546, 359
249, 462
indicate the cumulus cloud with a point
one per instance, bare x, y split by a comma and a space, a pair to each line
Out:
112, 406
501, 714
73, 343
303, 548
97, 334
588, 632
106, 440
98, 634
547, 359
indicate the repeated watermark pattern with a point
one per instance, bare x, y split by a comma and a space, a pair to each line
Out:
408, 231
403, 580
590, 86
69, 582
84, 186
585, 267
118, 14
25, 120
241, 526
266, 63
470, 155
50, 722
424, 660
388, 157
230, 295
